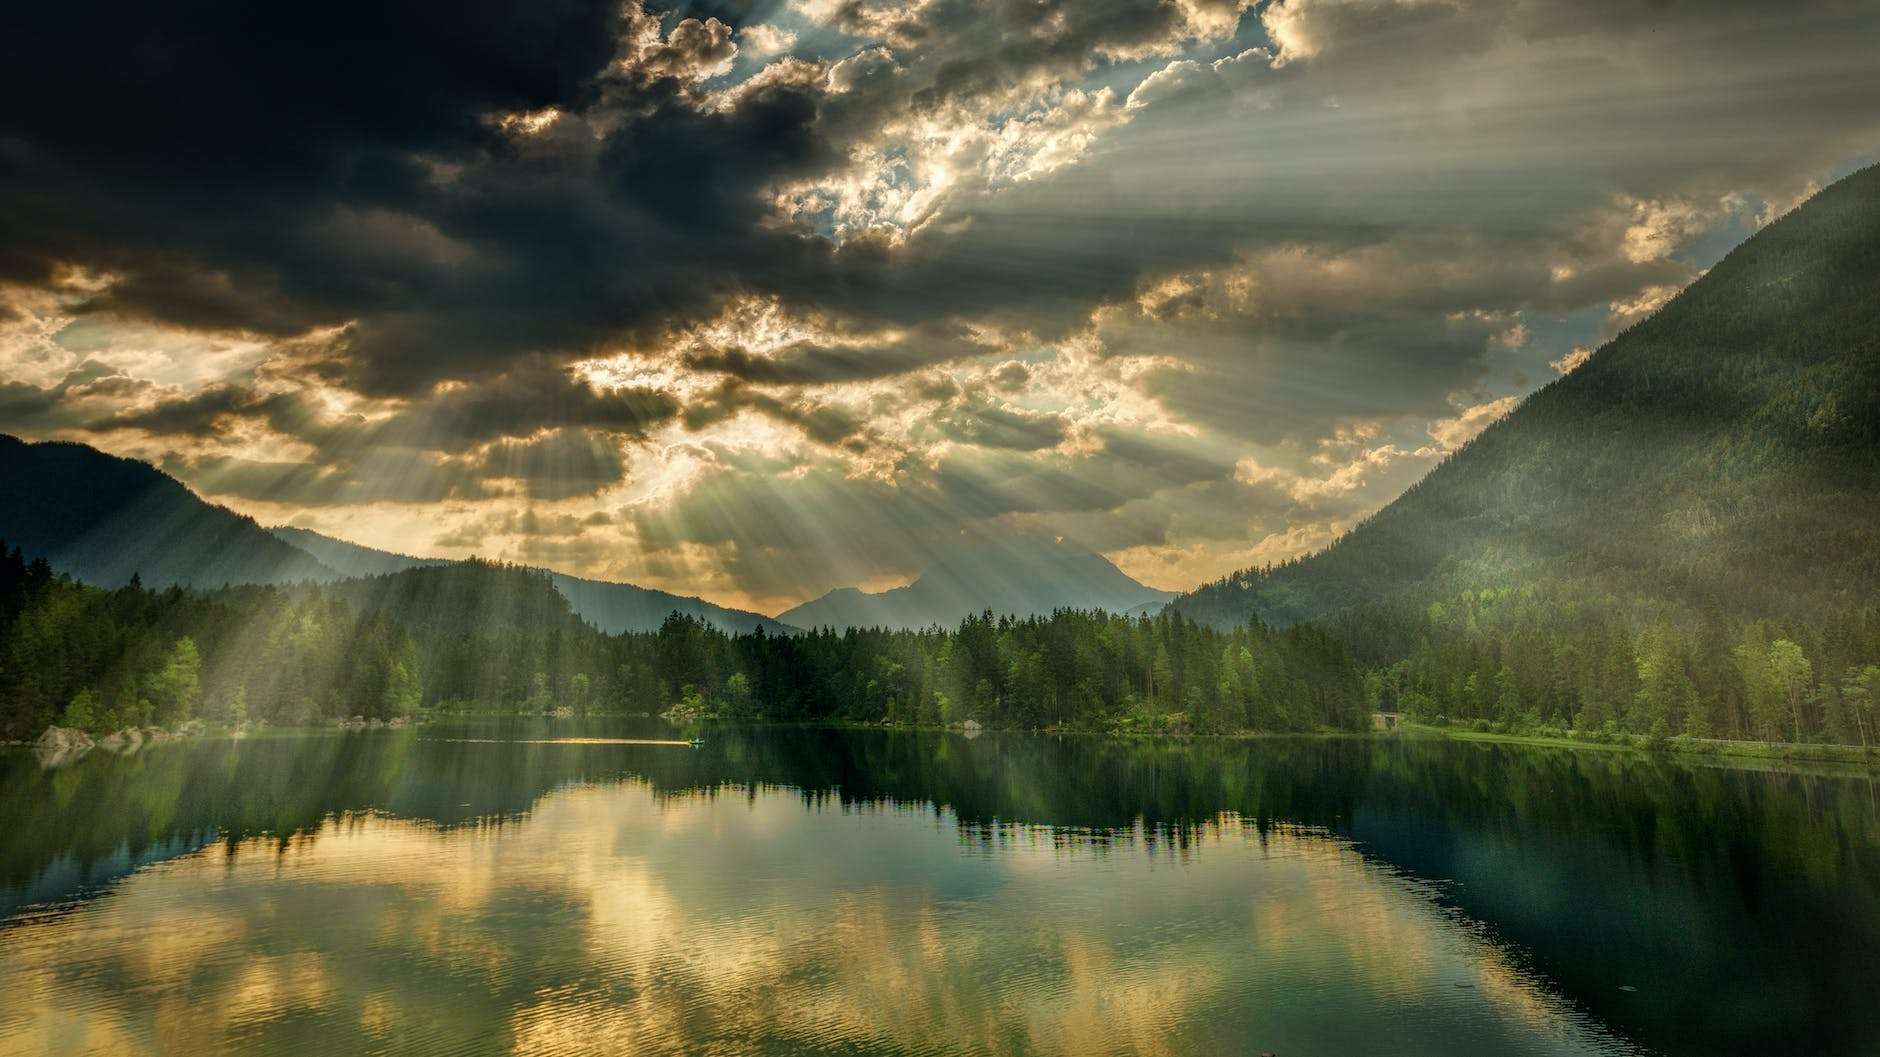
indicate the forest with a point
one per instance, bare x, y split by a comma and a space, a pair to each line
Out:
491, 637
1557, 657
1543, 658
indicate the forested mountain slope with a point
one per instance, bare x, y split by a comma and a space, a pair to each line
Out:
1721, 456
102, 519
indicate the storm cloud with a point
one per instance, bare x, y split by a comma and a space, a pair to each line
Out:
765, 298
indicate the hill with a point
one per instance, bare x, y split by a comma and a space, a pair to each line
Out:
1019, 576
102, 519
350, 559
1722, 456
609, 606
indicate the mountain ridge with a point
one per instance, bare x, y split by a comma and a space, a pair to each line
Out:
1707, 455
609, 605
104, 519
1015, 575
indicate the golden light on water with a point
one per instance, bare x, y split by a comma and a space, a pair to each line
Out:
659, 923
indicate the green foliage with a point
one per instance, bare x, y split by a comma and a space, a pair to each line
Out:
82, 713
496, 637
1565, 657
174, 688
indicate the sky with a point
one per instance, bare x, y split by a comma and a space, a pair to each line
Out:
753, 300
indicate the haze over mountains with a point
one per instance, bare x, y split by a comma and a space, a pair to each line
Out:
1723, 454
611, 607
1016, 574
102, 519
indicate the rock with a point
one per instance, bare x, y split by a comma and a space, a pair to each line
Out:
123, 742
61, 745
971, 728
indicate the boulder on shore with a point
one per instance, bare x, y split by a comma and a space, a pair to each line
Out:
61, 745
125, 741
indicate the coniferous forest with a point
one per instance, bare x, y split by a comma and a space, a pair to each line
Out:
1544, 658
482, 636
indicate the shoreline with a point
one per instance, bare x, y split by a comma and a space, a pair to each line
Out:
1715, 749
1773, 755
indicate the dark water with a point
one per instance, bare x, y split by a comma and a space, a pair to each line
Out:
492, 888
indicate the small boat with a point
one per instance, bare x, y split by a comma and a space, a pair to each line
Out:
697, 743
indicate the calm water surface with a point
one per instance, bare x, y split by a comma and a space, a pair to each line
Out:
505, 887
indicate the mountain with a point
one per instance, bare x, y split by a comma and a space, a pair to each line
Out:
1721, 456
616, 607
102, 519
1017, 576
351, 559
612, 607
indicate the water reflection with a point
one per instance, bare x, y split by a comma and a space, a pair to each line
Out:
528, 888
618, 920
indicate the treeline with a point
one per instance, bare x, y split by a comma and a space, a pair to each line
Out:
1553, 657
483, 636
1550, 657
81, 656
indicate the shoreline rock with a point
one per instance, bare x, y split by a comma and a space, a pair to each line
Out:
61, 745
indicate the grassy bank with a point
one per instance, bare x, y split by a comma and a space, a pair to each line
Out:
1712, 748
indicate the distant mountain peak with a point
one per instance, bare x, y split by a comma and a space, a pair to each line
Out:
1019, 575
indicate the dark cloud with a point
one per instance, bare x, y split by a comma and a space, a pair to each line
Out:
201, 414
86, 394
553, 435
231, 176
557, 465
809, 363
561, 464
825, 423
1261, 230
280, 170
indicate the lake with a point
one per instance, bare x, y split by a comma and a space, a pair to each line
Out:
533, 886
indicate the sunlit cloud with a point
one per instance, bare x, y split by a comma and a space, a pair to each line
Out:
764, 308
